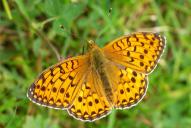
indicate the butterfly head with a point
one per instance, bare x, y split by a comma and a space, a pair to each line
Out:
91, 44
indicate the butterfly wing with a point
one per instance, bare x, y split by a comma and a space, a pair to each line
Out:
91, 103
138, 51
58, 85
130, 87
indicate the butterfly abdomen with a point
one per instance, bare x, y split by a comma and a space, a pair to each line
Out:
106, 84
99, 63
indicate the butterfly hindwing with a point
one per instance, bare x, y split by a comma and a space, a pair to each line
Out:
91, 103
131, 88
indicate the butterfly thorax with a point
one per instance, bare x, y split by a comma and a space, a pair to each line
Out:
99, 64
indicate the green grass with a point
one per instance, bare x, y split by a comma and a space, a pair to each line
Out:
27, 27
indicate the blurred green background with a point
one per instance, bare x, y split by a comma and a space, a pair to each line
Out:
26, 27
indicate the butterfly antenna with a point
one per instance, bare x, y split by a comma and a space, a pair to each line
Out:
110, 10
105, 29
58, 56
44, 38
83, 50
75, 36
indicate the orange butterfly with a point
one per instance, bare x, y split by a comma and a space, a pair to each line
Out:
91, 85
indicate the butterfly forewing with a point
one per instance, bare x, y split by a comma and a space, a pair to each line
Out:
58, 85
140, 51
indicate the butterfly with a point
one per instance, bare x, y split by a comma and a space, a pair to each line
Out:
89, 86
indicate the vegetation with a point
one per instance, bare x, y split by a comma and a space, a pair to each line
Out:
26, 27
